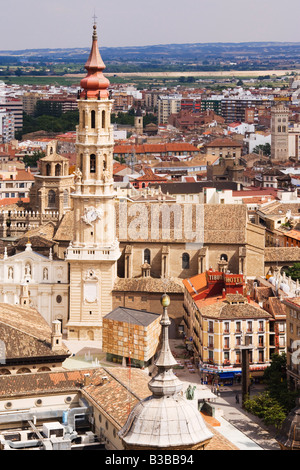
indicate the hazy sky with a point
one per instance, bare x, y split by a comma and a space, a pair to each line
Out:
30, 24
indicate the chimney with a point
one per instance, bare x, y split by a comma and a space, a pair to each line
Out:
56, 336
87, 379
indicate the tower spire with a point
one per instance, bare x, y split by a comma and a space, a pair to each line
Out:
95, 84
165, 381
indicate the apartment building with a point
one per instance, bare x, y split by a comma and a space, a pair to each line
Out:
122, 102
15, 183
219, 319
14, 106
167, 105
7, 126
237, 108
293, 341
151, 99
29, 102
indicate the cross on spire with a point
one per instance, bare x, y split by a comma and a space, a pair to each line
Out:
94, 17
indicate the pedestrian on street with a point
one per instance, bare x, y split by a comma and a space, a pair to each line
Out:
237, 400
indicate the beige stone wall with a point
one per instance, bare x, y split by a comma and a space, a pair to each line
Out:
125, 339
86, 317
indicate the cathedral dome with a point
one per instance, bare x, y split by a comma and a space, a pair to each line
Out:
165, 422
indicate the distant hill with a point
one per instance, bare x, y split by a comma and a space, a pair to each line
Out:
264, 55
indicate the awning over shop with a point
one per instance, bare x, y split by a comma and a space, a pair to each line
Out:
226, 375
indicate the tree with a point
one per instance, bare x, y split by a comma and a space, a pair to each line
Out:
266, 149
294, 271
266, 408
31, 160
277, 401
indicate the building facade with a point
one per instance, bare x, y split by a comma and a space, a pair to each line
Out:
220, 318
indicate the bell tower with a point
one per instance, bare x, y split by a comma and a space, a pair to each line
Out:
94, 251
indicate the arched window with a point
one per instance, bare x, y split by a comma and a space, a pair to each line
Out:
66, 198
103, 120
147, 256
57, 169
83, 118
224, 257
185, 261
48, 169
93, 119
51, 198
93, 163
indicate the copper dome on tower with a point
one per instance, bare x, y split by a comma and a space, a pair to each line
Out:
95, 84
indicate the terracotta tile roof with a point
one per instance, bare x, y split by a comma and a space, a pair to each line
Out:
150, 176
26, 333
8, 201
224, 143
279, 208
117, 395
214, 307
295, 234
156, 148
195, 284
148, 284
65, 228
119, 167
41, 383
282, 254
21, 175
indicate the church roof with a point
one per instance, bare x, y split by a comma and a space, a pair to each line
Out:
149, 284
54, 157
65, 230
26, 334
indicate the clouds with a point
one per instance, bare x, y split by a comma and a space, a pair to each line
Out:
68, 23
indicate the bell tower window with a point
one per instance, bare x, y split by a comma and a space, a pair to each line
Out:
103, 120
93, 163
51, 198
93, 119
57, 170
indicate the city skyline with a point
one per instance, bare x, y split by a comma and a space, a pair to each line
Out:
65, 24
